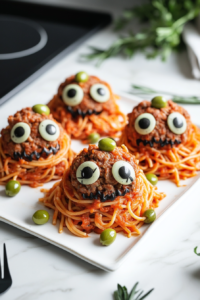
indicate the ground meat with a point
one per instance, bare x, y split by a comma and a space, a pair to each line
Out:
105, 160
161, 129
35, 142
87, 103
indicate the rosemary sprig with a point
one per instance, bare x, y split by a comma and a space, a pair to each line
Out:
163, 20
195, 251
146, 91
122, 293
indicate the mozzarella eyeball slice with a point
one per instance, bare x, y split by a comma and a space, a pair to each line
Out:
20, 132
87, 173
145, 123
49, 130
72, 94
123, 172
177, 123
99, 92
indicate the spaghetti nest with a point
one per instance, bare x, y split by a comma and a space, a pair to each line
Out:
36, 172
89, 116
179, 162
82, 216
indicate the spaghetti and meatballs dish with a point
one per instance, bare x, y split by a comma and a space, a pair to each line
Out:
34, 148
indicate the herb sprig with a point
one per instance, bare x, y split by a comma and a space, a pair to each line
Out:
164, 21
122, 293
146, 91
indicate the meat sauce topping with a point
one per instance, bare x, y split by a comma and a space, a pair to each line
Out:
34, 142
88, 103
161, 131
106, 184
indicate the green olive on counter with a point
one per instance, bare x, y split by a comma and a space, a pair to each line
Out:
108, 236
12, 188
152, 178
158, 102
40, 217
93, 138
107, 144
41, 109
150, 216
81, 77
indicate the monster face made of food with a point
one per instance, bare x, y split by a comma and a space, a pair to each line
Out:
162, 137
84, 105
103, 188
33, 148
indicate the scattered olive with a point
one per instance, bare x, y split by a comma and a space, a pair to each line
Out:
41, 109
108, 236
158, 102
152, 178
40, 217
107, 144
93, 138
81, 77
150, 215
12, 188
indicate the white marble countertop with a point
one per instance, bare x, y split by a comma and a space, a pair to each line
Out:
41, 271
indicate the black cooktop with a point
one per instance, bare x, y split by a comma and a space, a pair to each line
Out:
32, 36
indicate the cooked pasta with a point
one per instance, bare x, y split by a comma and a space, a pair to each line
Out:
83, 213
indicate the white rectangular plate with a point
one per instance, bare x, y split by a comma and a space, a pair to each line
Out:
18, 211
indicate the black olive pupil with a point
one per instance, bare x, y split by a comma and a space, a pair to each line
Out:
19, 132
178, 123
144, 123
124, 172
50, 129
71, 93
101, 91
87, 173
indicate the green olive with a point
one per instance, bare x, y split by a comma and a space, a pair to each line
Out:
40, 217
12, 188
41, 109
107, 144
158, 102
150, 216
110, 137
108, 236
81, 77
93, 138
152, 178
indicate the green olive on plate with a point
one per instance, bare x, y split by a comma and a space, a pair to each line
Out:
150, 215
108, 236
93, 138
107, 144
40, 217
41, 109
158, 102
12, 188
152, 178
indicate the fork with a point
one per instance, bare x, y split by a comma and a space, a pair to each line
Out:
6, 282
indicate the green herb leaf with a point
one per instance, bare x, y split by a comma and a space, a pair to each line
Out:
163, 25
195, 251
146, 91
122, 293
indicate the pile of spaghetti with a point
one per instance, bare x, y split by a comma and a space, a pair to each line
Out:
180, 162
107, 123
37, 172
82, 216
32, 161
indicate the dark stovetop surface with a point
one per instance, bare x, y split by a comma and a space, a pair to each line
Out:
34, 34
